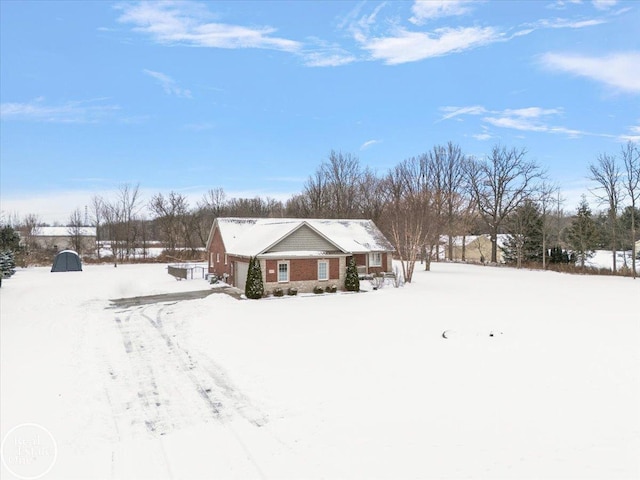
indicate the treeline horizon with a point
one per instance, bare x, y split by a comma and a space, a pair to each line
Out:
442, 192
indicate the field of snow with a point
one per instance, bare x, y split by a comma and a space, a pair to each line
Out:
539, 377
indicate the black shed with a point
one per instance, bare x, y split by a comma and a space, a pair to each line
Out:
67, 261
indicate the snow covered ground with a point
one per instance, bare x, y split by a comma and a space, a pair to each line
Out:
326, 386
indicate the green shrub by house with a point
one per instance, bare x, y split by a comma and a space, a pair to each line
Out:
352, 281
254, 288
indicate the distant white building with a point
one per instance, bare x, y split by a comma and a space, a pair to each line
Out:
63, 238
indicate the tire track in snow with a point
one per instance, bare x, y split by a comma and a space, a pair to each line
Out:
161, 386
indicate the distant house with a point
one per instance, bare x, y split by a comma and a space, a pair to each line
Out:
471, 248
63, 238
300, 253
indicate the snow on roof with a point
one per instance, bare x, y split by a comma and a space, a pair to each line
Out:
251, 236
64, 231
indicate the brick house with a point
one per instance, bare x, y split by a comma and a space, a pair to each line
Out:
300, 253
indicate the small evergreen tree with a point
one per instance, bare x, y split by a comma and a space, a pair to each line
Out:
254, 288
7, 264
352, 281
582, 235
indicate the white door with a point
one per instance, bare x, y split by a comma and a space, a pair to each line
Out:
242, 269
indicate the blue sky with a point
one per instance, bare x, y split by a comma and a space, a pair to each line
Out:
252, 96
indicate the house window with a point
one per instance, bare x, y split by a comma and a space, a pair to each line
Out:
375, 259
225, 258
283, 271
323, 270
217, 258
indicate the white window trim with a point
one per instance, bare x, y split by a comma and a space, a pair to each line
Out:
325, 262
375, 259
283, 262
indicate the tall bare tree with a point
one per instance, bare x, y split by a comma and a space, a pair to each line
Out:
499, 184
547, 195
28, 228
607, 175
448, 180
75, 230
169, 213
120, 219
409, 219
97, 212
333, 191
631, 160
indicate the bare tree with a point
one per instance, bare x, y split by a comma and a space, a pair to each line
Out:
448, 179
547, 195
606, 173
28, 228
75, 230
129, 199
334, 189
120, 219
631, 160
499, 185
372, 196
169, 212
409, 219
97, 211
210, 207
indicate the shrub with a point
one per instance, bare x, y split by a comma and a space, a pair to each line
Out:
254, 288
332, 289
352, 281
292, 291
278, 292
318, 289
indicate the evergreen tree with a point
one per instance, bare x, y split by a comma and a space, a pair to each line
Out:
582, 234
352, 281
254, 288
9, 239
7, 264
523, 242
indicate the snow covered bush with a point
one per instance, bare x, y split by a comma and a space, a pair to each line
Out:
292, 291
318, 289
7, 264
278, 292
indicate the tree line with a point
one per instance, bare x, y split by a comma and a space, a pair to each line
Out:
421, 204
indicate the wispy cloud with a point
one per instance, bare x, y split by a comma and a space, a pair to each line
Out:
451, 112
184, 23
369, 143
604, 4
424, 10
402, 46
568, 23
530, 119
620, 71
632, 136
168, 84
83, 111
388, 40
